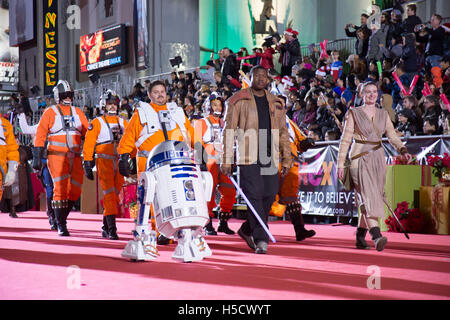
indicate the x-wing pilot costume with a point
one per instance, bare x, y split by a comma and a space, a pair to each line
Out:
288, 193
64, 127
209, 132
9, 155
150, 125
102, 140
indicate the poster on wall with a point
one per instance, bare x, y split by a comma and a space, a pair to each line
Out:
141, 34
103, 49
9, 56
21, 28
50, 39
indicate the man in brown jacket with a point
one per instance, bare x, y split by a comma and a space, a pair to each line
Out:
258, 121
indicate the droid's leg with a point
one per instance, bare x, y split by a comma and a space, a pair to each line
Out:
191, 246
143, 247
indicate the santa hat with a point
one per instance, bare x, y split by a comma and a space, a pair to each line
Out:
321, 72
278, 78
293, 89
287, 81
291, 32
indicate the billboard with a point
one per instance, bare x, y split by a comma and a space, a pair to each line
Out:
9, 57
21, 27
103, 49
141, 34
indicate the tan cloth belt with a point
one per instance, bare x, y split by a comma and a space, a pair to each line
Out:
376, 143
378, 146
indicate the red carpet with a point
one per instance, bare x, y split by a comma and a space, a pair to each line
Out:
34, 264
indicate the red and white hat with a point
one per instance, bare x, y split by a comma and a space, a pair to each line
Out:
291, 32
321, 71
287, 81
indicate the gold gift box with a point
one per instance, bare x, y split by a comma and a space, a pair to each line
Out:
434, 205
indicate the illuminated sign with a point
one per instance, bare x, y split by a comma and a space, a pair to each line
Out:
9, 56
103, 49
8, 73
50, 45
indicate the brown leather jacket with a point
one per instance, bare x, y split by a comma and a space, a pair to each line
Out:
241, 120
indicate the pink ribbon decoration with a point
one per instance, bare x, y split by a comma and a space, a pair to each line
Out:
245, 58
400, 84
248, 65
413, 85
428, 89
445, 100
323, 49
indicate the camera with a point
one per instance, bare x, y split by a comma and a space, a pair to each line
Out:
420, 27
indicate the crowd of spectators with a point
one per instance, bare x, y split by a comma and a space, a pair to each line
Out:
319, 88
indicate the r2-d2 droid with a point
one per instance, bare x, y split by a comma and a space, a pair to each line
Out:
178, 192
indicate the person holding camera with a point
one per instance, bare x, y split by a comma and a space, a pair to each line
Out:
434, 37
101, 143
290, 51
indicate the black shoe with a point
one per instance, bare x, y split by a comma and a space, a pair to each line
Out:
52, 222
248, 239
61, 221
360, 239
51, 215
209, 229
261, 247
223, 227
301, 233
105, 228
162, 241
378, 239
223, 223
13, 214
111, 231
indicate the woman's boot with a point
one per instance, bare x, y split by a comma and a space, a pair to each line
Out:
361, 239
378, 239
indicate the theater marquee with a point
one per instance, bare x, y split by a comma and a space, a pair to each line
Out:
50, 45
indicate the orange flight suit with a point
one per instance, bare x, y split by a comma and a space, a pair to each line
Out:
9, 150
100, 143
64, 127
133, 134
208, 132
288, 192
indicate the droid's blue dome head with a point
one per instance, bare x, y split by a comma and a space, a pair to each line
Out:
169, 152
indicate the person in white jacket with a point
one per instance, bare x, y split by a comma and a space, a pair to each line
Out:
44, 174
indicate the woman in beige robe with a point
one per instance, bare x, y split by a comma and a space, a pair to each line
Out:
363, 130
